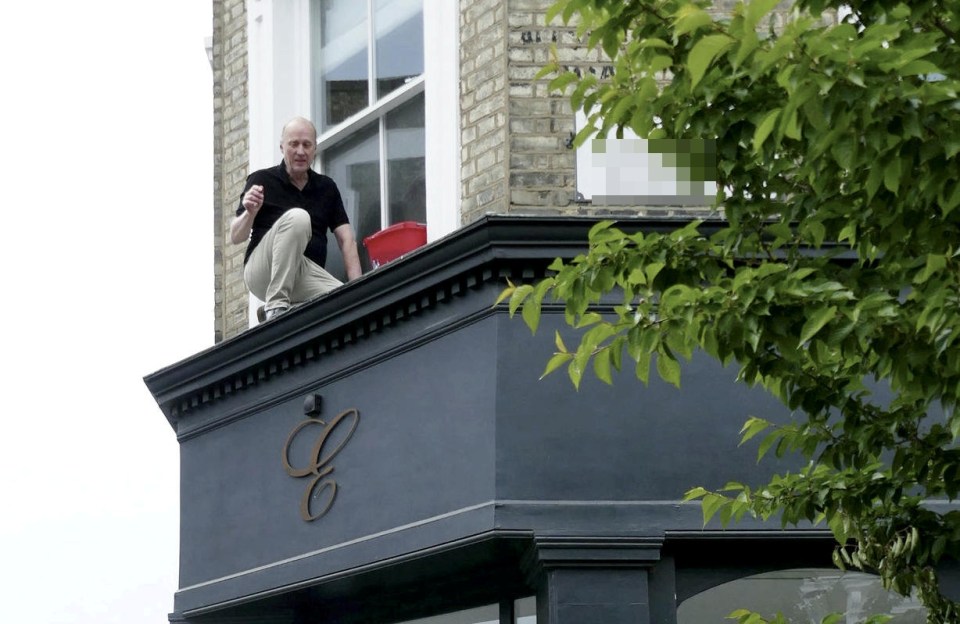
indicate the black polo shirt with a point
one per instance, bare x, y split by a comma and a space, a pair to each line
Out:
320, 197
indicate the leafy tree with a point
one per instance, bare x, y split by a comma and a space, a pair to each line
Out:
835, 267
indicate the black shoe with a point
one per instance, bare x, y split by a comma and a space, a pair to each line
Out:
269, 315
261, 314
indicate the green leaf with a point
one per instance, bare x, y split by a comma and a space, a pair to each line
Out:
558, 360
816, 321
756, 11
588, 319
935, 263
874, 178
703, 54
653, 42
534, 304
652, 270
519, 295
668, 369
947, 204
562, 81
643, 367
848, 233
575, 371
689, 18
554, 10
601, 366
712, 503
506, 292
764, 129
748, 43
579, 92
917, 67
767, 443
891, 175
531, 314
752, 427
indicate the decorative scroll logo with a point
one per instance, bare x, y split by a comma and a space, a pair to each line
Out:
322, 487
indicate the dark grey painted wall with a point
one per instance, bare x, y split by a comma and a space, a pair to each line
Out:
456, 437
626, 442
423, 448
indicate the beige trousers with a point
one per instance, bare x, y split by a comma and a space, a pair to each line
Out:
278, 273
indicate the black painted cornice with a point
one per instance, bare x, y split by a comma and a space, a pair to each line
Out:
492, 248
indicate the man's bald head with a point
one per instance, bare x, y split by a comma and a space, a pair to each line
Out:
298, 123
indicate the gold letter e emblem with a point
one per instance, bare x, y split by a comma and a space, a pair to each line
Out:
322, 485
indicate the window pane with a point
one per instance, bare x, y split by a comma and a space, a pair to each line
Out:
525, 610
482, 615
399, 27
343, 59
406, 182
802, 595
354, 165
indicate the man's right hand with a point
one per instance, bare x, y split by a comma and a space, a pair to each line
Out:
253, 199
252, 202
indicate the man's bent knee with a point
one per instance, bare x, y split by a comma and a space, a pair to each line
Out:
296, 217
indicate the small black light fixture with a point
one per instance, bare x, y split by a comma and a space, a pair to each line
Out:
312, 405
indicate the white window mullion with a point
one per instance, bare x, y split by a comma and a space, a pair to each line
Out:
372, 100
384, 182
441, 40
371, 56
389, 102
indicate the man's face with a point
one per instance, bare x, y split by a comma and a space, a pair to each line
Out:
299, 146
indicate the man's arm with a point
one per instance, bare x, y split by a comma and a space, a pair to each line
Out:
240, 226
348, 247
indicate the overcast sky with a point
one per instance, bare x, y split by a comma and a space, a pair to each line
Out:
106, 256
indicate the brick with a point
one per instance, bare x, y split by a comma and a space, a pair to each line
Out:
487, 160
488, 125
518, 19
230, 161
535, 179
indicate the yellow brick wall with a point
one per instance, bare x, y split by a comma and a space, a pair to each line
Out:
231, 156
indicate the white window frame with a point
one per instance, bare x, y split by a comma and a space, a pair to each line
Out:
280, 87
376, 113
441, 34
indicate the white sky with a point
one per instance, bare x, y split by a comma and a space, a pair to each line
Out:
106, 213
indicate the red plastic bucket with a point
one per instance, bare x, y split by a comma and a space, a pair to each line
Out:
392, 242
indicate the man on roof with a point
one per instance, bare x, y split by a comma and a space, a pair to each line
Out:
285, 212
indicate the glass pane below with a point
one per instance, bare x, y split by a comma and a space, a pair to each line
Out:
802, 595
355, 166
489, 614
406, 165
525, 610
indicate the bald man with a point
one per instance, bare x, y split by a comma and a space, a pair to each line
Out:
285, 212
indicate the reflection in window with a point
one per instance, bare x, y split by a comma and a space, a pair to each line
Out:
525, 610
399, 28
406, 167
343, 59
803, 596
359, 57
489, 614
368, 90
354, 165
